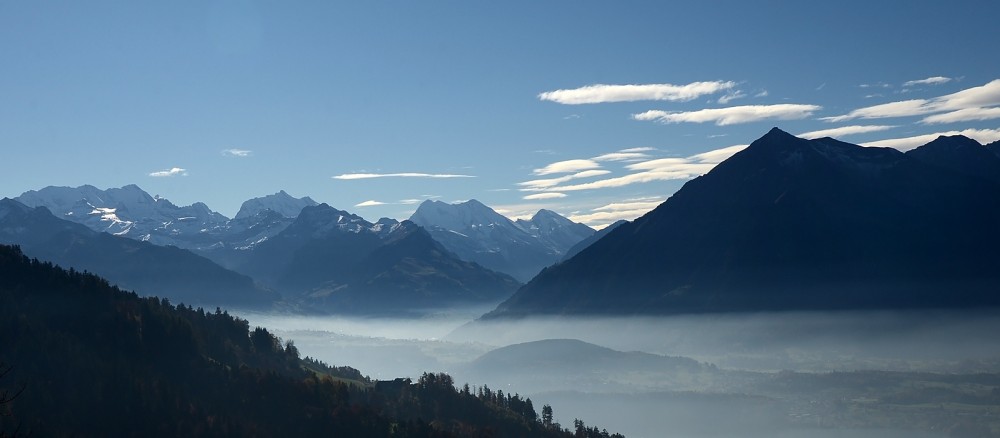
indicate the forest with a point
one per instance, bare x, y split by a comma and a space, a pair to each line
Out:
81, 357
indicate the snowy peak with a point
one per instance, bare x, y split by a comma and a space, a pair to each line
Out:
281, 202
468, 214
323, 220
477, 233
127, 211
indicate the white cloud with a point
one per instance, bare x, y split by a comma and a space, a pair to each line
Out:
642, 204
628, 210
240, 153
642, 149
963, 115
602, 93
349, 176
567, 167
621, 156
762, 93
544, 184
904, 144
173, 171
718, 155
983, 96
731, 96
369, 203
732, 115
934, 80
546, 195
410, 201
892, 109
660, 169
845, 131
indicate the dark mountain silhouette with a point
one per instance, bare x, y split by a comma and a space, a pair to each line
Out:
477, 233
83, 358
960, 154
575, 249
343, 263
994, 147
790, 223
149, 269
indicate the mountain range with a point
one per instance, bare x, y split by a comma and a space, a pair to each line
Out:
165, 271
792, 224
338, 261
477, 233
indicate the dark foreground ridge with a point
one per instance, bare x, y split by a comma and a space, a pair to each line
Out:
795, 224
87, 359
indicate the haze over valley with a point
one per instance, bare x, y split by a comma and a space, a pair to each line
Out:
587, 220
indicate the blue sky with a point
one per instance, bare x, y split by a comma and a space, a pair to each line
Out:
223, 101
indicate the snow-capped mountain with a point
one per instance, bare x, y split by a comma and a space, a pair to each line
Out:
477, 233
173, 273
281, 203
131, 212
556, 231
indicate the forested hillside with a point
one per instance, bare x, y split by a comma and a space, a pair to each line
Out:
88, 359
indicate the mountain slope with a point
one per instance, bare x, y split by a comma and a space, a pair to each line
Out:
149, 269
790, 223
583, 244
343, 263
479, 234
97, 361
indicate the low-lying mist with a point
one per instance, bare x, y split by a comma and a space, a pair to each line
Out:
764, 374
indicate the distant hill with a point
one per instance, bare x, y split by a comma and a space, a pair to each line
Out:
479, 234
341, 262
149, 269
87, 359
556, 364
790, 223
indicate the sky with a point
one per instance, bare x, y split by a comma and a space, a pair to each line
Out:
596, 110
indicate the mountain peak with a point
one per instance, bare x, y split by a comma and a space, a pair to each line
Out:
281, 202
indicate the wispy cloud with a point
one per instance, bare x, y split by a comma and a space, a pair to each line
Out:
621, 156
762, 93
983, 96
605, 215
906, 143
567, 166
544, 184
641, 149
350, 176
410, 201
369, 203
732, 115
731, 96
173, 171
239, 153
660, 169
934, 80
602, 93
546, 195
844, 131
963, 115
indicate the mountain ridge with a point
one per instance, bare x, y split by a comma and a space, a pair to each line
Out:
785, 224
